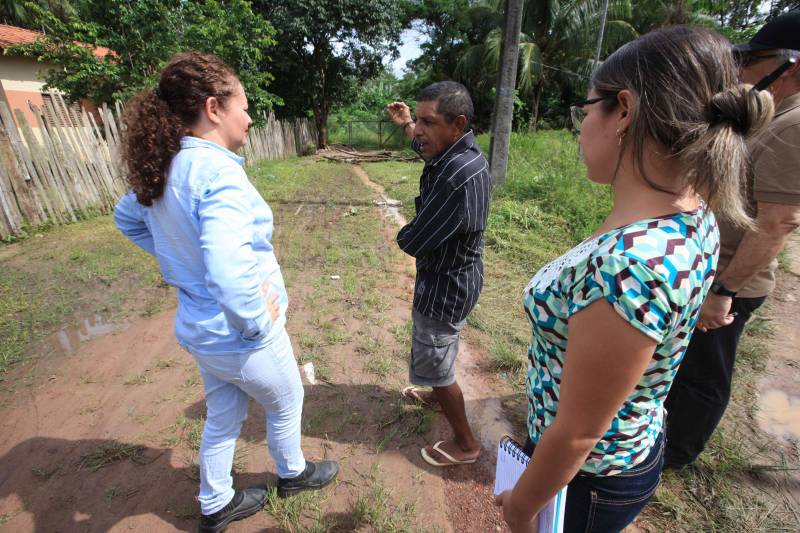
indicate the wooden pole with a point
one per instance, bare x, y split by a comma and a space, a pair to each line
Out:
41, 181
58, 172
600, 35
13, 152
504, 101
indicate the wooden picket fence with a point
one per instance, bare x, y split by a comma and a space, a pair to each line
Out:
73, 169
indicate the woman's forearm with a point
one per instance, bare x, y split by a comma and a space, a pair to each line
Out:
558, 456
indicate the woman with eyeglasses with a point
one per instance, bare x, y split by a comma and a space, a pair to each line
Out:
664, 125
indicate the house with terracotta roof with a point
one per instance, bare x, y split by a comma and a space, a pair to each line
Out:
22, 78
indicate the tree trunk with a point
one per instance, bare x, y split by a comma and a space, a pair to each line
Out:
503, 114
322, 106
533, 123
322, 127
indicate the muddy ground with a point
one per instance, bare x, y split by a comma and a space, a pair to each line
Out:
101, 427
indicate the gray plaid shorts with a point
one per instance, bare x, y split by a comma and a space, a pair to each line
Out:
434, 347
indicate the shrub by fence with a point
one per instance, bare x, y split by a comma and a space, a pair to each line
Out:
55, 173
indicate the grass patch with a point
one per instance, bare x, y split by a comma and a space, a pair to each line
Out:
404, 420
402, 332
166, 363
295, 512
321, 361
81, 269
43, 473
306, 181
505, 359
545, 207
380, 364
189, 431
138, 379
784, 260
377, 507
110, 453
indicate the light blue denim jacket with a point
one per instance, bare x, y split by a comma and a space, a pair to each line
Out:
211, 233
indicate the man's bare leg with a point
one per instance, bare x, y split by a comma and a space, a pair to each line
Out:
464, 445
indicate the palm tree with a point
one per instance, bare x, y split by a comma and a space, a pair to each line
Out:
556, 35
14, 11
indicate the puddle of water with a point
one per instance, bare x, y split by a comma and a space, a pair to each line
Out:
68, 340
391, 208
779, 414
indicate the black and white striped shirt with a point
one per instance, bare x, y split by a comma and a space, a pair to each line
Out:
446, 235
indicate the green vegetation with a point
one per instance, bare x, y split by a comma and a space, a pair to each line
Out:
81, 270
326, 227
110, 453
143, 35
546, 206
314, 74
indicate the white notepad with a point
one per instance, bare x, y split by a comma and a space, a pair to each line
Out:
511, 463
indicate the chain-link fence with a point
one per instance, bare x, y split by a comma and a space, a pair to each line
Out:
367, 134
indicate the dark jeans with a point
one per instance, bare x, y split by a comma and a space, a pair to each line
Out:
606, 504
702, 387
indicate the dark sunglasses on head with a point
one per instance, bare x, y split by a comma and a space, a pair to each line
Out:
745, 59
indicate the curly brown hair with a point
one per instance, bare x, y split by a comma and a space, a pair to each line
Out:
156, 119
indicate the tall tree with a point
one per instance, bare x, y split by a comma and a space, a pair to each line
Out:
142, 35
557, 36
326, 47
503, 115
16, 13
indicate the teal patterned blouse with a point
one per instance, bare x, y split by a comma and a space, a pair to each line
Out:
655, 273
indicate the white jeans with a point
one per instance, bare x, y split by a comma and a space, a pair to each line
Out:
269, 376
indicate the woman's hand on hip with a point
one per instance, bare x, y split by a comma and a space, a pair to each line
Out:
271, 300
517, 520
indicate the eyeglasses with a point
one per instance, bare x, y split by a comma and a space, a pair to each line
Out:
577, 113
767, 80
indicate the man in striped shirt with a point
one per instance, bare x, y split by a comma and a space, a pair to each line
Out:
446, 238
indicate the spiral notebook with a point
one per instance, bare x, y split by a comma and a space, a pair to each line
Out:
511, 463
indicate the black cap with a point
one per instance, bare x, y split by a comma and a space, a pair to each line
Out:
781, 32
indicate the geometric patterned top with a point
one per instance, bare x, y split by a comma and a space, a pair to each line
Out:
655, 273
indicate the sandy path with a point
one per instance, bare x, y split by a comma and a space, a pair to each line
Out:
487, 417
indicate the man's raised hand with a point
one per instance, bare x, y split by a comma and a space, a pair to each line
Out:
399, 113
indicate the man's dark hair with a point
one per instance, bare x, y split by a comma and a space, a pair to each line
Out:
452, 99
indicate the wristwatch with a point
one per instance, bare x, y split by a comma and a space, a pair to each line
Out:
718, 288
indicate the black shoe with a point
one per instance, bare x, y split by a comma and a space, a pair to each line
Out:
244, 503
670, 465
315, 476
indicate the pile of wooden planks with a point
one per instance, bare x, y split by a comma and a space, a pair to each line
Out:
349, 155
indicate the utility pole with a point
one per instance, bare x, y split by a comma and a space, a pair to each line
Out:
603, 18
504, 99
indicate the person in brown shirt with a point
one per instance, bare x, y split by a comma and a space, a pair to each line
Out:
747, 261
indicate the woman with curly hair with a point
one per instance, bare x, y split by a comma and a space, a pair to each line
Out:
192, 207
